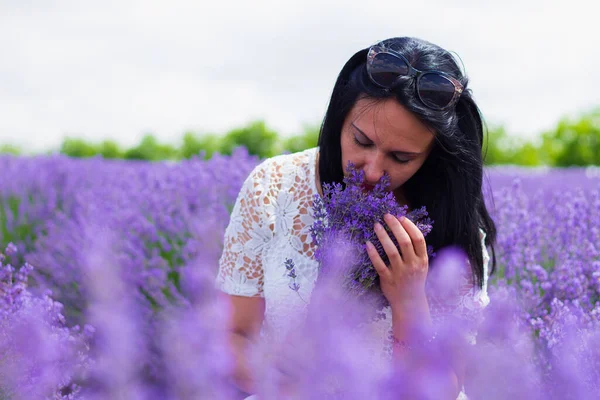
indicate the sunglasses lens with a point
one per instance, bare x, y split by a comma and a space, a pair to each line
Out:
435, 90
385, 68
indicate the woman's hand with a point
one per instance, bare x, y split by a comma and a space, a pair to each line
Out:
403, 282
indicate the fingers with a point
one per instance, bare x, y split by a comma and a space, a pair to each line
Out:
416, 236
388, 245
402, 237
410, 240
383, 271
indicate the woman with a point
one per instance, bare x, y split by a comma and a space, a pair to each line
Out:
400, 107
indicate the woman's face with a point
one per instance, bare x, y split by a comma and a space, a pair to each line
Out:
383, 136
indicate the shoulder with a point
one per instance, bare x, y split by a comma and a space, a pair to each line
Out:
299, 158
284, 164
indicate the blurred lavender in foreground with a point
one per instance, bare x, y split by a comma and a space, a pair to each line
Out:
120, 346
331, 355
144, 282
40, 357
327, 355
194, 337
177, 352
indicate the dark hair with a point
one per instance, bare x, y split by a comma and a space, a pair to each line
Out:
449, 183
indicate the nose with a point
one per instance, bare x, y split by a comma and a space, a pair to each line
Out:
373, 169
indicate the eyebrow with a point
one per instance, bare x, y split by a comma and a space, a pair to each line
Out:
405, 153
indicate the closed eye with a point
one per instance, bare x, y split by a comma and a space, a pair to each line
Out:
361, 144
367, 145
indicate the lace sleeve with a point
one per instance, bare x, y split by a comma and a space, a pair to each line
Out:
469, 301
246, 237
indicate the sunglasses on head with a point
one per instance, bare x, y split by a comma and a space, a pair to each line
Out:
436, 89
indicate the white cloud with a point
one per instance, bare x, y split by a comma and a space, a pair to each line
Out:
119, 69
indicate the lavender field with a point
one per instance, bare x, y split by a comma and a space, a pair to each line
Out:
106, 287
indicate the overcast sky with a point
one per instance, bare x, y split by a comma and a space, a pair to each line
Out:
120, 69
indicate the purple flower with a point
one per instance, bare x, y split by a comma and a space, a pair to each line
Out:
41, 356
291, 268
346, 214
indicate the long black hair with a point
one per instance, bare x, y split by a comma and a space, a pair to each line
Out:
449, 183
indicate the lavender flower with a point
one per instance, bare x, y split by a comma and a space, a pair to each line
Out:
40, 356
291, 268
159, 323
347, 214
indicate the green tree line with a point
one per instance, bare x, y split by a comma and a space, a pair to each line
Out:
573, 142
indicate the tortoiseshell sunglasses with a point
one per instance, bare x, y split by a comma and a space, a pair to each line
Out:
436, 90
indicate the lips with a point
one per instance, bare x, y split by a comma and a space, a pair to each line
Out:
367, 187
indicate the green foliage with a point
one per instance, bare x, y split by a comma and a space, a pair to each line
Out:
505, 149
304, 141
574, 142
528, 155
497, 147
10, 149
82, 149
77, 148
25, 231
192, 145
110, 149
256, 137
150, 150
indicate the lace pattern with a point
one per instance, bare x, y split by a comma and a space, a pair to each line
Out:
270, 223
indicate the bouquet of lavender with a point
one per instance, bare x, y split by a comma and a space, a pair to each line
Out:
344, 218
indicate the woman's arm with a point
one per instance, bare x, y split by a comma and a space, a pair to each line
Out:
403, 284
404, 323
247, 314
241, 274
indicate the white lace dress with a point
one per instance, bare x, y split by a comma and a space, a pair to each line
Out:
269, 223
